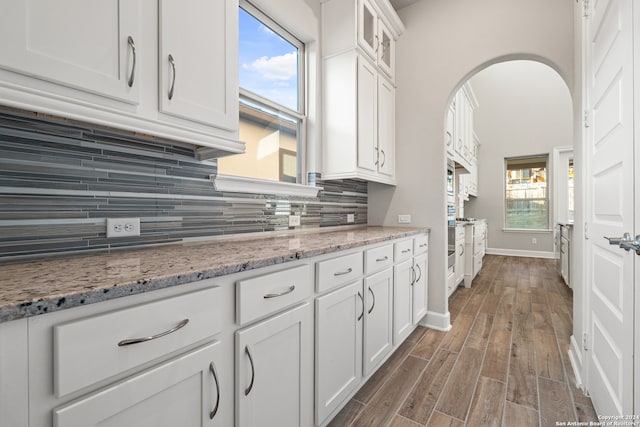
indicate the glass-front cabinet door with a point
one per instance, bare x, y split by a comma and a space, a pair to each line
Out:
367, 28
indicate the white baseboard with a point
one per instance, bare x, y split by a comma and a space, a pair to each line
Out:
439, 321
575, 357
522, 253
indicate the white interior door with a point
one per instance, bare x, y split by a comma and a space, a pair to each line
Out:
610, 210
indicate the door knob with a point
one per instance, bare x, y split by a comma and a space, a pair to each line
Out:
626, 242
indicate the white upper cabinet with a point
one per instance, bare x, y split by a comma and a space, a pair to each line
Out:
197, 62
88, 45
367, 28
358, 89
157, 68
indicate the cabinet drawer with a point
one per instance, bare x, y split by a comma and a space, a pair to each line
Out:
420, 244
478, 246
403, 250
94, 349
336, 271
260, 296
376, 259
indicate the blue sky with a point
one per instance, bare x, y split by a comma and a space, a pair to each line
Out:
268, 63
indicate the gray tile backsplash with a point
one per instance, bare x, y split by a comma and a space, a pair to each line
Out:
59, 181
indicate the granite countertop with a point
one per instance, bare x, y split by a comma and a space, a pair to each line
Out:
44, 286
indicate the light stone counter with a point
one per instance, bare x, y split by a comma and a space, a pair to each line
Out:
43, 286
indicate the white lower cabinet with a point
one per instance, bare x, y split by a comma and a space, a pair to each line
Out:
378, 319
338, 370
419, 288
234, 350
274, 370
403, 278
181, 392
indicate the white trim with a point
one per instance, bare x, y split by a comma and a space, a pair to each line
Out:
521, 253
438, 321
575, 357
238, 184
528, 230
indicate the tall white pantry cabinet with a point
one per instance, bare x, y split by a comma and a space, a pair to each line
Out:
359, 89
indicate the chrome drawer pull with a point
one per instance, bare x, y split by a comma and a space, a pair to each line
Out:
374, 301
405, 251
214, 411
422, 245
342, 273
173, 80
180, 325
288, 291
361, 300
382, 259
419, 271
133, 66
253, 371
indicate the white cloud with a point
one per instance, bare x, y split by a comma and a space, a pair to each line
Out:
281, 67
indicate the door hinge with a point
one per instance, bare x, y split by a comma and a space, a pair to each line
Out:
587, 122
585, 8
585, 341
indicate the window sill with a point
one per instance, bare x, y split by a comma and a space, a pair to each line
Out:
527, 230
237, 184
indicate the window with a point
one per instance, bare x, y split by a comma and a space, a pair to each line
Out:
271, 71
526, 195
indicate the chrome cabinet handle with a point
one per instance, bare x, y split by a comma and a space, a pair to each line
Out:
180, 325
374, 301
413, 275
420, 271
214, 411
362, 301
288, 291
382, 259
253, 371
405, 251
173, 80
461, 250
423, 245
384, 158
377, 156
376, 42
133, 66
342, 273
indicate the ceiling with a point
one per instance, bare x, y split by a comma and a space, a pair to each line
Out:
399, 4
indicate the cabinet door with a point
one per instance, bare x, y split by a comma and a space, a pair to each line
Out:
182, 392
339, 319
386, 50
274, 370
420, 288
367, 115
378, 318
386, 127
403, 276
367, 28
82, 44
449, 133
199, 84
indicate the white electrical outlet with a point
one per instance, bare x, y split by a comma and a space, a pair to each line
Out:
123, 227
351, 218
534, 240
294, 220
404, 219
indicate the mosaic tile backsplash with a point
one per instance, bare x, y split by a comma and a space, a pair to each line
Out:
59, 182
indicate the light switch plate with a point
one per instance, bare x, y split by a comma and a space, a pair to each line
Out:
404, 219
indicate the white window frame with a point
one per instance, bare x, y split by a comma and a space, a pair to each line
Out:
548, 195
234, 183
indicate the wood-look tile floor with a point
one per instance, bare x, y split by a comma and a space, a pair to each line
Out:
503, 363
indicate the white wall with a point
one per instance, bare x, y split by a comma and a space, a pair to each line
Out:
524, 108
446, 42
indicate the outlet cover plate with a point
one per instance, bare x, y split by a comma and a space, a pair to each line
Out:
123, 227
294, 220
404, 219
351, 218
